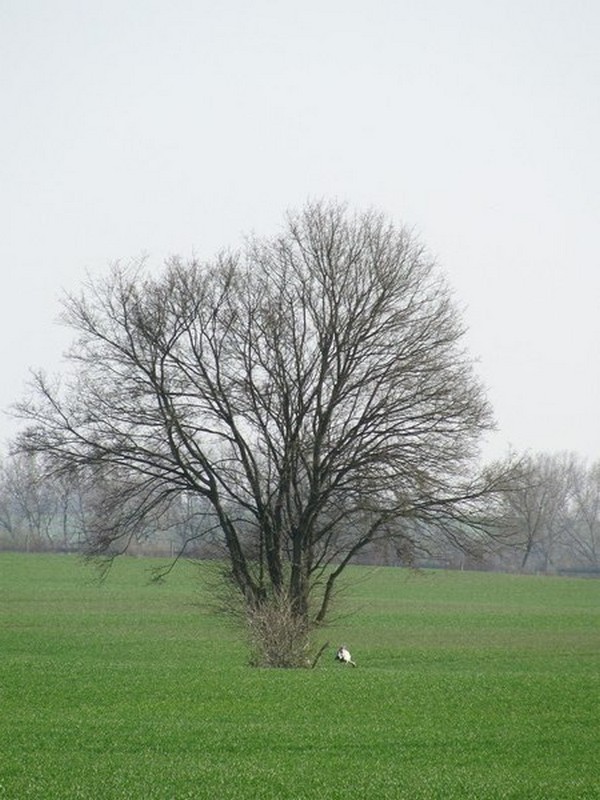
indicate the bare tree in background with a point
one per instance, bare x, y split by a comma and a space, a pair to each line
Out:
313, 390
584, 532
8, 521
39, 511
29, 504
538, 507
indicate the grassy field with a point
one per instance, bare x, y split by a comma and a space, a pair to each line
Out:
468, 686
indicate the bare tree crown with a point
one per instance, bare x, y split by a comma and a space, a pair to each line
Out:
313, 389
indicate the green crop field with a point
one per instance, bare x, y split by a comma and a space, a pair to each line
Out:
468, 685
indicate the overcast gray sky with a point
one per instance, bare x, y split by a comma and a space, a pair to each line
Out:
144, 127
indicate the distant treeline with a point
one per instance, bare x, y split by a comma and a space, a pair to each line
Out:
550, 521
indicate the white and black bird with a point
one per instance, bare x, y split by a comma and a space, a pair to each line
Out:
343, 655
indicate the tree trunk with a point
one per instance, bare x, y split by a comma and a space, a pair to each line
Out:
299, 584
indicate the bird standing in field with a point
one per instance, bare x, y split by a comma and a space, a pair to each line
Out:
343, 655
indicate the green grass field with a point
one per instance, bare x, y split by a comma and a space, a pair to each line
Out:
468, 685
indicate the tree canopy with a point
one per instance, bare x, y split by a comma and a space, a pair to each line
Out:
311, 390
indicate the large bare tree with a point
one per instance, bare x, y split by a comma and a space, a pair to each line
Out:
312, 389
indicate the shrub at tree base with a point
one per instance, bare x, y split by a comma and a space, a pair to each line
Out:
277, 636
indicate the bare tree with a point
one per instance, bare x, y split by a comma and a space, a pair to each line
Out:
584, 532
538, 507
37, 510
8, 526
313, 389
30, 504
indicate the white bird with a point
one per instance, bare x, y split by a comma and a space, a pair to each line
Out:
343, 655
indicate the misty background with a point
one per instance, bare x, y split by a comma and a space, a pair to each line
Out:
149, 129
